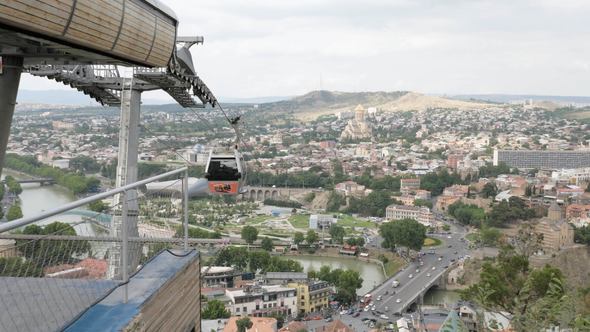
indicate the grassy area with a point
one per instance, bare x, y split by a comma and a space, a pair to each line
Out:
432, 242
299, 220
257, 219
393, 265
348, 221
472, 237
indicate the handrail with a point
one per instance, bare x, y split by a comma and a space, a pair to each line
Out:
28, 220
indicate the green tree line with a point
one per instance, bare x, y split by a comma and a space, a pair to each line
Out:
76, 182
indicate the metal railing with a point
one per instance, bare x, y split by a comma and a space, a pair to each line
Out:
58, 263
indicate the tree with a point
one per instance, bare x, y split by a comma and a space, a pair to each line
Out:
311, 237
215, 309
243, 324
489, 190
423, 202
52, 252
14, 212
489, 236
337, 233
345, 281
98, 206
18, 267
1, 191
298, 238
406, 232
249, 234
267, 244
13, 186
536, 298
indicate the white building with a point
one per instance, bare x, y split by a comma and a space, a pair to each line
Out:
262, 301
575, 176
420, 214
317, 221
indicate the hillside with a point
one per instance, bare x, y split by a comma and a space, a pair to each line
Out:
316, 103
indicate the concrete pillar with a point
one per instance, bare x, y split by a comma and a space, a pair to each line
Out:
11, 68
126, 174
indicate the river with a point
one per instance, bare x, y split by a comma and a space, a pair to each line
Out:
371, 273
36, 199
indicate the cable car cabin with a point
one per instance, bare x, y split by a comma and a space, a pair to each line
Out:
224, 173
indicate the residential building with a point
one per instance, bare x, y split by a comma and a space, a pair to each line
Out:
350, 188
219, 276
281, 278
577, 211
456, 190
543, 159
262, 301
577, 176
409, 185
453, 160
312, 296
421, 214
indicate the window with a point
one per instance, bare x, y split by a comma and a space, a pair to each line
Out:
238, 309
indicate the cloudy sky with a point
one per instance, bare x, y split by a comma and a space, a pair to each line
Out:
256, 48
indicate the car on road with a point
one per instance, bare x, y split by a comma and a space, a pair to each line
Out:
343, 312
440, 258
383, 317
411, 276
417, 270
446, 266
356, 314
366, 309
386, 308
372, 308
434, 268
398, 301
329, 319
428, 274
455, 252
449, 237
450, 246
379, 298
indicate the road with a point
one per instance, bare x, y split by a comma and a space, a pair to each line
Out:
453, 247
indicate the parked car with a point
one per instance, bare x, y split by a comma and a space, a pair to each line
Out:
398, 301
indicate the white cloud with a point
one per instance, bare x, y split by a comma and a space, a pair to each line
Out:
261, 48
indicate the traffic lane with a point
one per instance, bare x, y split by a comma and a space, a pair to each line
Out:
413, 286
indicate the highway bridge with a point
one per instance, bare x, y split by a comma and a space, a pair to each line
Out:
433, 271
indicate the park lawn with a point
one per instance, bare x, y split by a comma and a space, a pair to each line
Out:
349, 221
432, 242
299, 220
257, 219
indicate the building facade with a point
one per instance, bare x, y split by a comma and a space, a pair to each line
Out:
421, 214
543, 159
312, 296
262, 301
409, 185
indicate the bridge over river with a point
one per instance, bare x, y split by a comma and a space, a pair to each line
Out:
411, 290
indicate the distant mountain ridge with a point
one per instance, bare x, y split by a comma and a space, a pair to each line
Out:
324, 102
509, 98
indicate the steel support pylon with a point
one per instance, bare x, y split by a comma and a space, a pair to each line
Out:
11, 68
126, 174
